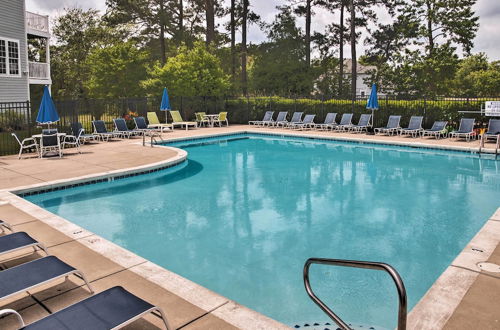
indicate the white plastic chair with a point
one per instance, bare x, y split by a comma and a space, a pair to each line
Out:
26, 144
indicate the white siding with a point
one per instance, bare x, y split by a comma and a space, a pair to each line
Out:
12, 25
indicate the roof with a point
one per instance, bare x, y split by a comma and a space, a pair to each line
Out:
360, 67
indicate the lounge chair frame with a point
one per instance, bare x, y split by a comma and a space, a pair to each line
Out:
414, 127
9, 311
154, 122
434, 131
307, 123
26, 144
181, 123
267, 116
493, 131
296, 119
125, 133
4, 225
463, 132
34, 245
281, 119
329, 122
103, 135
362, 125
345, 122
390, 129
74, 272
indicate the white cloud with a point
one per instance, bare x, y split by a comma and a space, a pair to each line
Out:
487, 40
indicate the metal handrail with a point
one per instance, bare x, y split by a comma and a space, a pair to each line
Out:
402, 311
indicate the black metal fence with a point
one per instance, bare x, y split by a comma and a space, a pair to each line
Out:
17, 117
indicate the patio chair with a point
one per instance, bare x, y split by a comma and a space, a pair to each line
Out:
122, 129
414, 126
221, 119
268, 116
26, 144
140, 125
77, 130
307, 123
35, 273
17, 241
113, 308
178, 121
392, 126
362, 125
154, 122
4, 225
50, 142
101, 132
202, 119
493, 131
465, 130
437, 130
328, 123
296, 118
281, 119
72, 140
345, 122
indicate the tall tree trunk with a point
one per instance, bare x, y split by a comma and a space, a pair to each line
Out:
341, 50
210, 18
430, 16
162, 34
244, 48
233, 41
308, 33
354, 73
181, 21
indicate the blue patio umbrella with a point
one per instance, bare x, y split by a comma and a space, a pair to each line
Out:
47, 113
373, 101
165, 103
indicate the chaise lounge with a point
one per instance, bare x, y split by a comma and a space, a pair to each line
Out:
17, 241
437, 130
465, 129
392, 126
178, 121
414, 126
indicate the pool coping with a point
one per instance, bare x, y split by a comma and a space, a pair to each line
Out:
423, 315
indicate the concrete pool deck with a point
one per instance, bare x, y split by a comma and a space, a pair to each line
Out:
454, 304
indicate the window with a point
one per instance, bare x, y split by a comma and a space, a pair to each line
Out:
10, 63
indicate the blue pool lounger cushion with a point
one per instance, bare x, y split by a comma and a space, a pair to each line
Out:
30, 275
110, 309
20, 240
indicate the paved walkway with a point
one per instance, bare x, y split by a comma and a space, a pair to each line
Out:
480, 307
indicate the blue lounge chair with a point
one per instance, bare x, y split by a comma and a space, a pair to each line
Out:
414, 126
296, 118
4, 225
101, 131
307, 123
140, 125
345, 122
30, 275
329, 122
465, 130
111, 309
281, 119
493, 131
268, 117
17, 241
392, 126
122, 129
362, 125
78, 131
437, 130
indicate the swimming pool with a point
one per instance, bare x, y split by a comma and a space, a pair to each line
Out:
246, 211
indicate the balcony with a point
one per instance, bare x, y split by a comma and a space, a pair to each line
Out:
39, 73
37, 24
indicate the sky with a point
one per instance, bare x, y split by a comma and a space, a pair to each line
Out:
487, 39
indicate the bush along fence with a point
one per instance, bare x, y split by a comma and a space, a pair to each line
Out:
20, 117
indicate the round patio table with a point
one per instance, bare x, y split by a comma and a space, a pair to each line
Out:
211, 119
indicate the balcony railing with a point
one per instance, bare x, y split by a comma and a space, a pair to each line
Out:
37, 22
39, 70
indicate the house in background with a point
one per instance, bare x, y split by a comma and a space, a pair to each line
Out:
362, 88
24, 51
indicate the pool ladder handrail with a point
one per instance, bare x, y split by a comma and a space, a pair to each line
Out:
497, 145
403, 304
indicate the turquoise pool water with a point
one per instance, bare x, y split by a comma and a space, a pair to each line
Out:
242, 216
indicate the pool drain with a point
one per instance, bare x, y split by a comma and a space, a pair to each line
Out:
489, 267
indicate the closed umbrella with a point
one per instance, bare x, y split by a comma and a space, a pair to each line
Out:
165, 103
47, 113
373, 102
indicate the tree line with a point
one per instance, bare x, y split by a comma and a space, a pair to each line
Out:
137, 47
